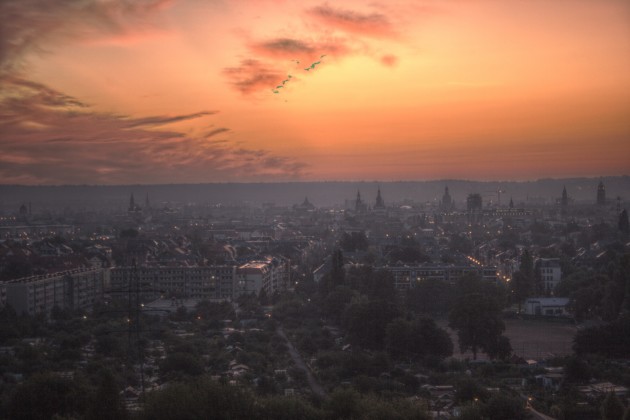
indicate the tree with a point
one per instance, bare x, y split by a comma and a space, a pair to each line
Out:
521, 287
366, 322
45, 395
476, 318
576, 370
337, 271
336, 302
355, 241
611, 340
501, 407
527, 270
500, 349
344, 404
106, 403
181, 363
612, 408
382, 287
417, 338
624, 225
199, 399
430, 296
469, 389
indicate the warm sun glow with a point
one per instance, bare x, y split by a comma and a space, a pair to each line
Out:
190, 91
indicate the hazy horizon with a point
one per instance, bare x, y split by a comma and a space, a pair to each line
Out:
323, 181
321, 194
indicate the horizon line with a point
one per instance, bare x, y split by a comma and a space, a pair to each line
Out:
323, 182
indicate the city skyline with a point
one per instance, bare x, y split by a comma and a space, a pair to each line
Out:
127, 92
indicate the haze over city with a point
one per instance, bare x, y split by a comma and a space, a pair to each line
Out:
155, 91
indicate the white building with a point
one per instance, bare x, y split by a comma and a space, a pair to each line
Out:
270, 274
549, 272
73, 289
546, 306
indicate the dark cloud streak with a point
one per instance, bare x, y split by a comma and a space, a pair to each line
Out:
63, 141
373, 24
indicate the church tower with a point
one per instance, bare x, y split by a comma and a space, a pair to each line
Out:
380, 204
359, 205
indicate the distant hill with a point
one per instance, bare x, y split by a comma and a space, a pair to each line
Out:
319, 193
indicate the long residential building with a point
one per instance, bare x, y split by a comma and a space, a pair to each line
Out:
406, 275
214, 282
190, 282
73, 289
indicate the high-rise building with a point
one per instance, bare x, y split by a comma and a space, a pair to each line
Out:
474, 207
447, 203
601, 194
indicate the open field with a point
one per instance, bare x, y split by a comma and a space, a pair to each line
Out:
530, 339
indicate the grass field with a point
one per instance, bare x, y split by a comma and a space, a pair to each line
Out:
530, 339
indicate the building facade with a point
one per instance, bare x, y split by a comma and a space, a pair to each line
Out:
549, 272
406, 276
74, 289
184, 282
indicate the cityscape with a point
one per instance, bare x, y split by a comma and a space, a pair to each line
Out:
303, 309
305, 209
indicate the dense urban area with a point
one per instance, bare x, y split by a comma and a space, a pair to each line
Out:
483, 308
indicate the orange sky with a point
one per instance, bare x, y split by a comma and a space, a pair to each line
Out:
156, 91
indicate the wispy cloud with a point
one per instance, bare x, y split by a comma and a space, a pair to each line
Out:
284, 47
252, 75
333, 32
29, 26
162, 120
293, 48
369, 24
63, 141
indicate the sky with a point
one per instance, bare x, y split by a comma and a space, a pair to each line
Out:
194, 91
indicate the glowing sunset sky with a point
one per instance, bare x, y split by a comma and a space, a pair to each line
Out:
153, 91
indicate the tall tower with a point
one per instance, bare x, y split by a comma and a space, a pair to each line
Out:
601, 194
359, 205
447, 201
132, 203
380, 204
564, 201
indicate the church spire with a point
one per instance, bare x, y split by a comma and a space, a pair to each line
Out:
380, 203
